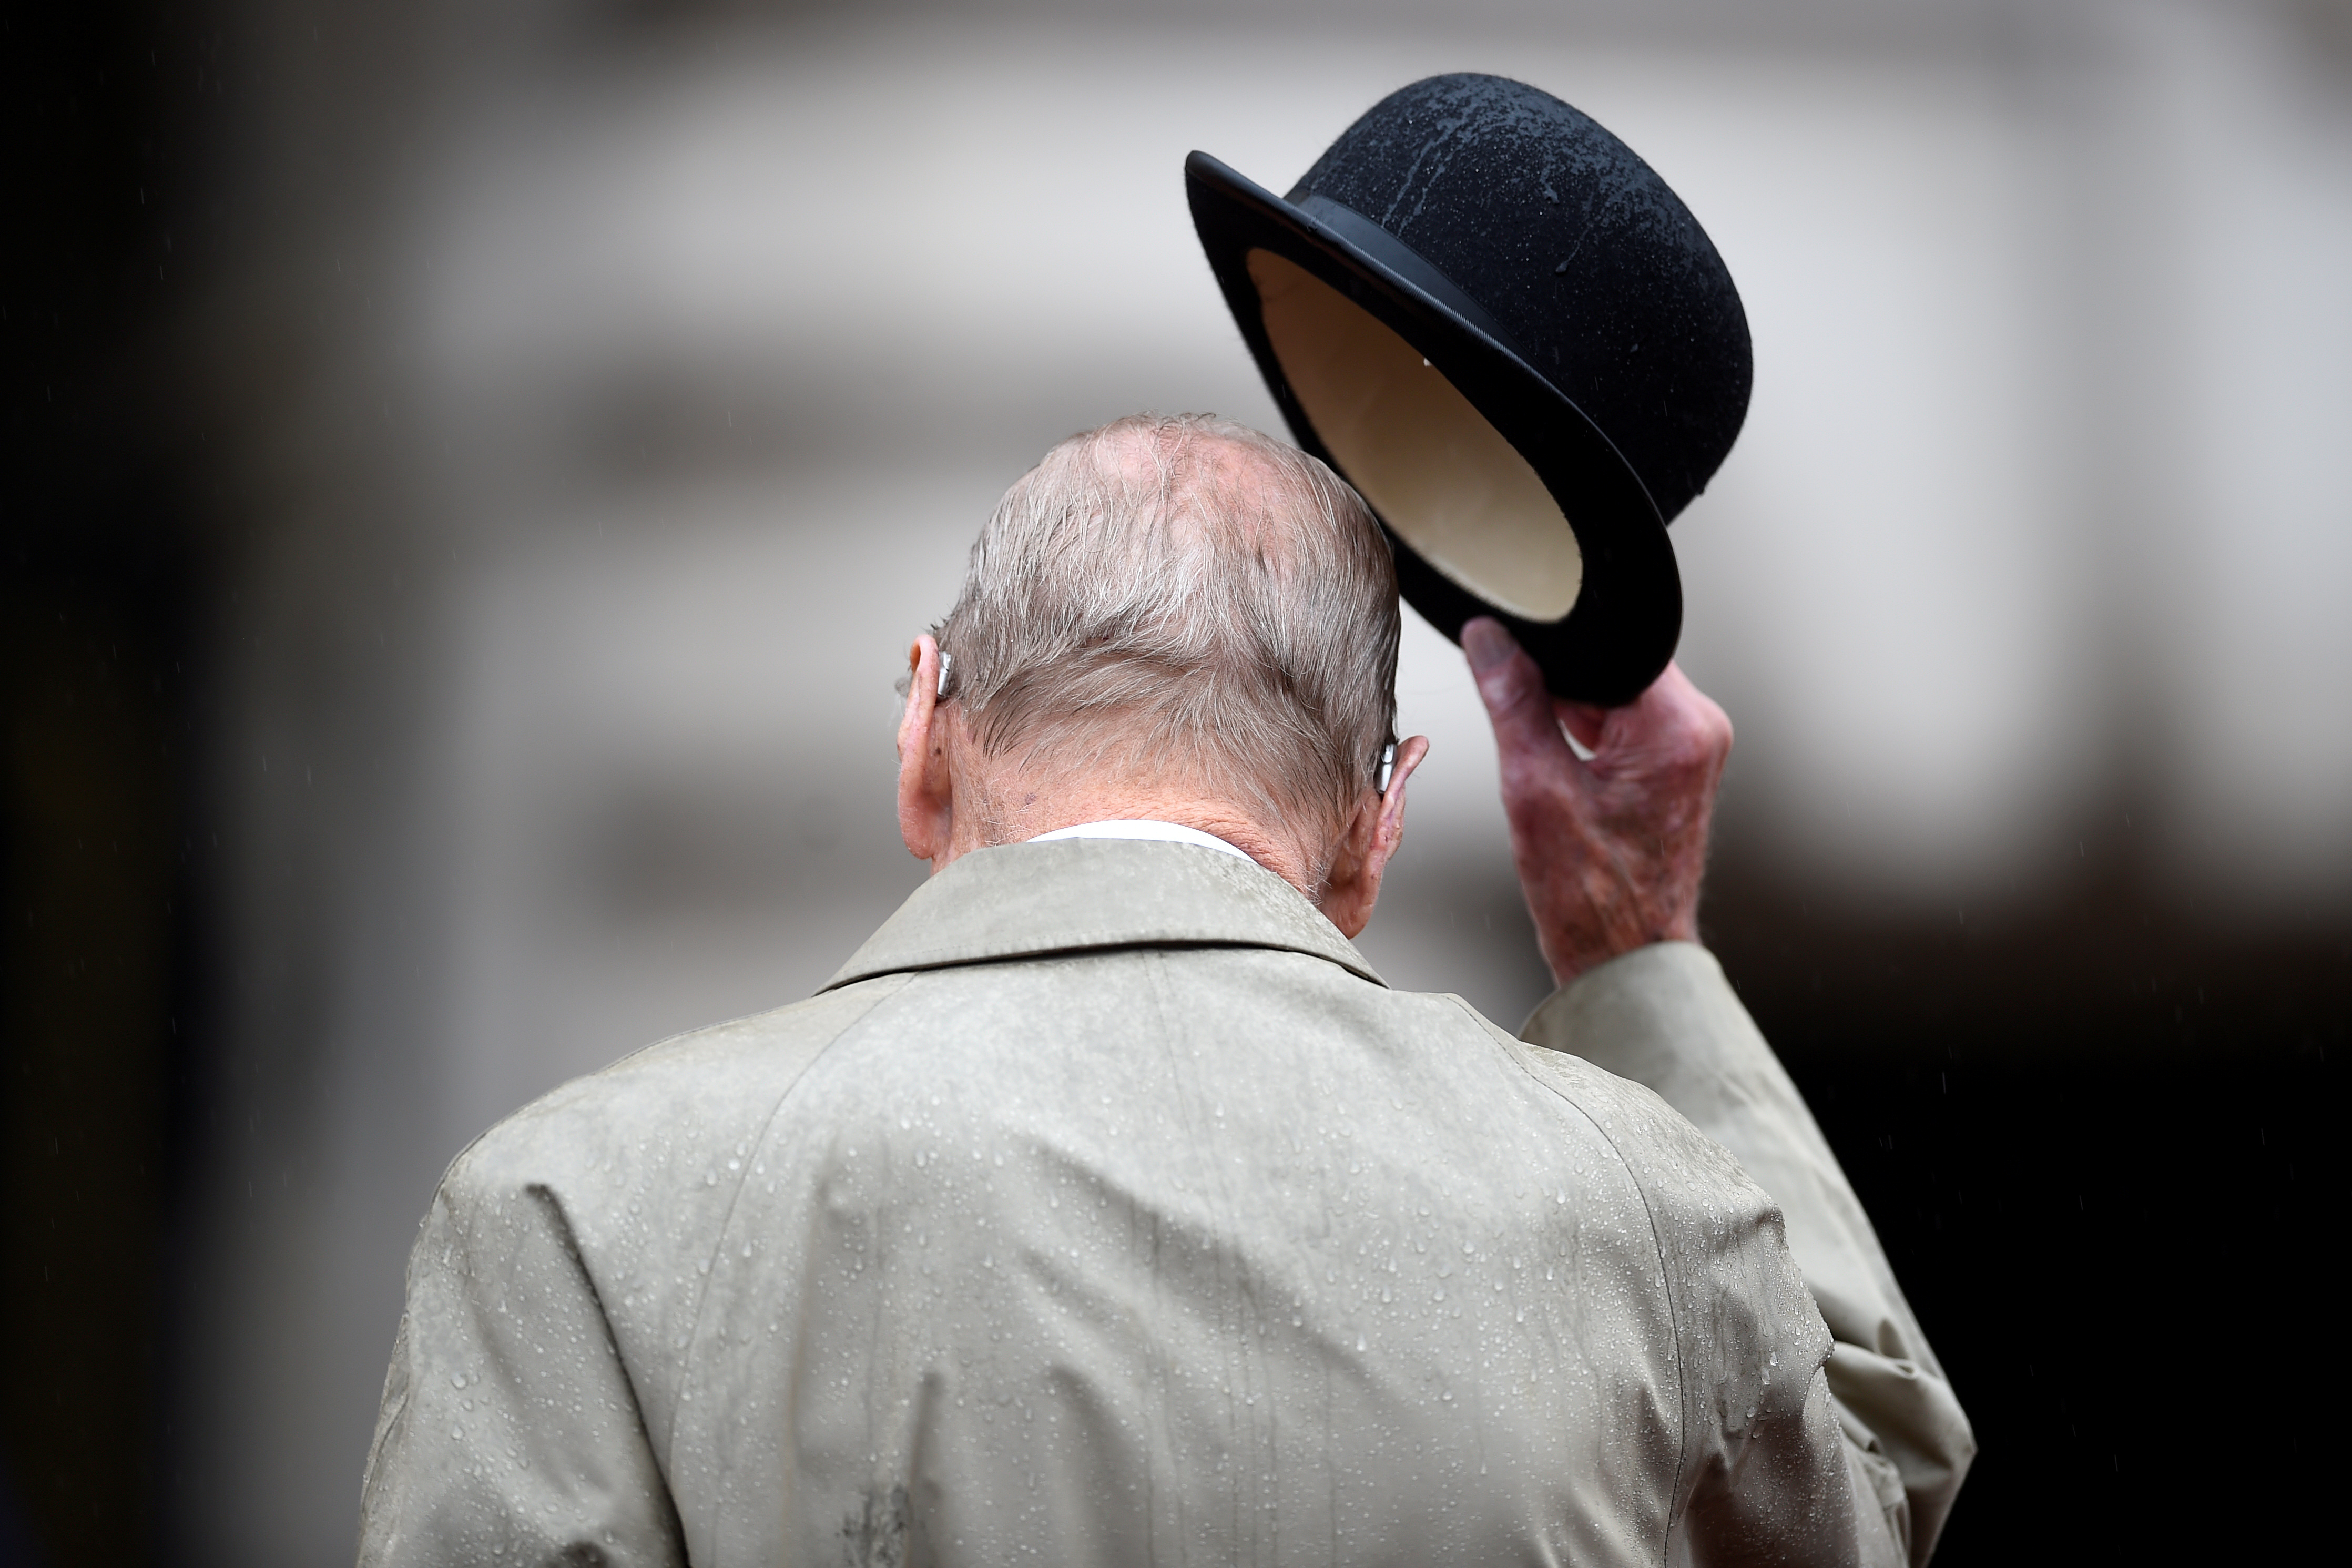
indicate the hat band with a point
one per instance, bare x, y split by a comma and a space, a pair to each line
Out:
1378, 245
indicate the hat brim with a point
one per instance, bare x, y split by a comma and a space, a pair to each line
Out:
1628, 614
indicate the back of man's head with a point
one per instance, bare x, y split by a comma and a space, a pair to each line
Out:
1185, 602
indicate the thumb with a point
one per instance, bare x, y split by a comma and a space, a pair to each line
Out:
1518, 703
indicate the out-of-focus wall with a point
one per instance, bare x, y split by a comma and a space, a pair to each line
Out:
611, 393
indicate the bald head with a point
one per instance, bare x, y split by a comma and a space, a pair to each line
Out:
1186, 603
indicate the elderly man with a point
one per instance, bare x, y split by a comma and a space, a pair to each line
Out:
1105, 1207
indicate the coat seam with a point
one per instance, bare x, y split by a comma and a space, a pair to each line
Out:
551, 1201
1665, 1279
767, 1124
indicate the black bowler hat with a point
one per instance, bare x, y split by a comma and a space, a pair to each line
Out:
1516, 341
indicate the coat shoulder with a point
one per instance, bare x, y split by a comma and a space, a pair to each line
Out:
702, 1086
1680, 1168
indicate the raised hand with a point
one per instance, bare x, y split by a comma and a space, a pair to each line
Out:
1610, 851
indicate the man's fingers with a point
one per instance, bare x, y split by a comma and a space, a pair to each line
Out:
1677, 718
1513, 689
1704, 712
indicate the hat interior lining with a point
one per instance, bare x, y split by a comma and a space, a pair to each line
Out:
1430, 464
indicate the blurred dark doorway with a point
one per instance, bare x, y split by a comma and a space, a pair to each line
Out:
99, 574
2100, 1140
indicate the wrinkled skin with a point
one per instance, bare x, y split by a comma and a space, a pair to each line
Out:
952, 800
1610, 851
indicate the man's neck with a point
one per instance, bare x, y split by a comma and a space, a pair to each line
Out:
1021, 814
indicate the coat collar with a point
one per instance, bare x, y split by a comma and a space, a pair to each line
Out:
1023, 900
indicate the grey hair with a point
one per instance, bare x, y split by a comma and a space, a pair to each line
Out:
1181, 596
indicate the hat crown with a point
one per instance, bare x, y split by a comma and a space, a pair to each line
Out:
1604, 282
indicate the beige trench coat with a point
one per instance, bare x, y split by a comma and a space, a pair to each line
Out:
1106, 1208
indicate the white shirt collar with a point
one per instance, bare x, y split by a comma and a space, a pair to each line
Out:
1169, 832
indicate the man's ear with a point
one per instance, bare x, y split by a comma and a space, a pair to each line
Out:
926, 782
1373, 836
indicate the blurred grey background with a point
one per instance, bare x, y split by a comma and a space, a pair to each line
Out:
568, 412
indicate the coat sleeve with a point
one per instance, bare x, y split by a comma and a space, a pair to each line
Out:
1664, 1017
509, 1432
